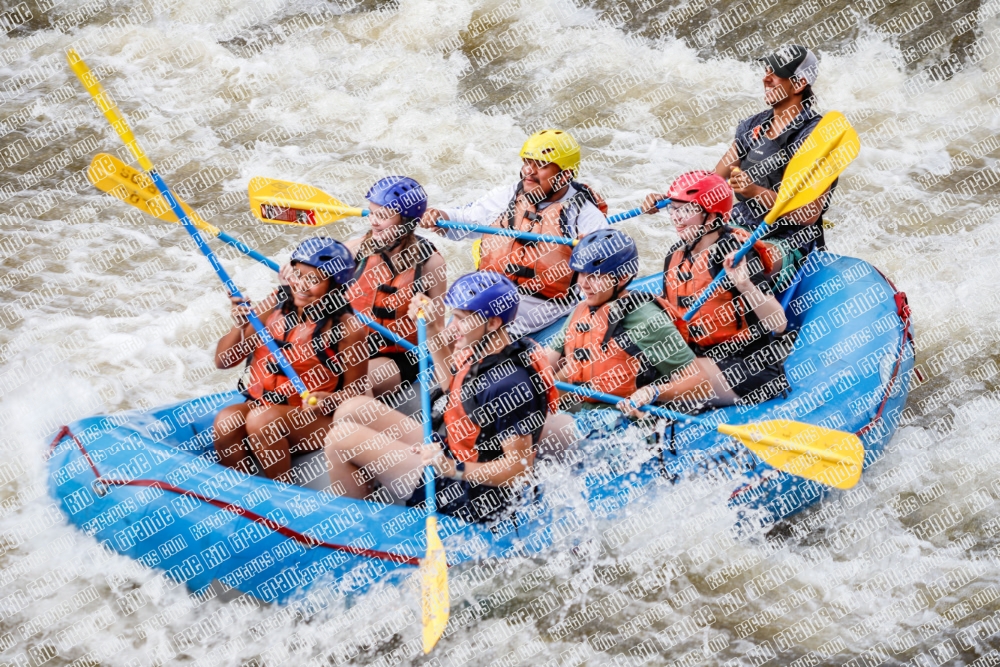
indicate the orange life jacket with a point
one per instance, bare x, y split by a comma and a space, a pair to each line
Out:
538, 269
723, 318
464, 433
600, 353
305, 346
383, 293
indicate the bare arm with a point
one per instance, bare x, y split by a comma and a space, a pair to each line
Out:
437, 272
728, 162
764, 306
518, 458
239, 342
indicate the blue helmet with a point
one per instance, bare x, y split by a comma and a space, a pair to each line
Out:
488, 293
400, 193
607, 251
331, 257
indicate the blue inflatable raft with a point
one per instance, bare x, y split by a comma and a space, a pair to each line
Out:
146, 484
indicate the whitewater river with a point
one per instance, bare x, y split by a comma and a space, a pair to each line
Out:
103, 309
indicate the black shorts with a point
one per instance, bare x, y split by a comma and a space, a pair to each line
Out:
753, 387
465, 501
408, 370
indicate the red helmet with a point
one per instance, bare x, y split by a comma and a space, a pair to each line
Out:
705, 188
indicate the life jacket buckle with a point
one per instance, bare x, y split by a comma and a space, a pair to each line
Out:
583, 327
518, 271
581, 354
384, 313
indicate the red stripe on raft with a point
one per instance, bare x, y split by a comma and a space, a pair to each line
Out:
63, 432
903, 310
239, 511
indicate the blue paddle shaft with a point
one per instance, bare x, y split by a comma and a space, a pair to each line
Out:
631, 213
611, 399
740, 254
425, 408
246, 250
500, 231
258, 326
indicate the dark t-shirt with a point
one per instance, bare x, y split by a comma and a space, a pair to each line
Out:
502, 398
764, 160
508, 403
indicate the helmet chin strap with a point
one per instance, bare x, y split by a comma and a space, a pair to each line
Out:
703, 231
560, 181
621, 285
408, 228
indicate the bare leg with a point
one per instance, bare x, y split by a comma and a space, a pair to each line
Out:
278, 430
231, 443
357, 453
700, 383
383, 375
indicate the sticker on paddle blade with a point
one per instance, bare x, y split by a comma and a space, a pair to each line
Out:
281, 214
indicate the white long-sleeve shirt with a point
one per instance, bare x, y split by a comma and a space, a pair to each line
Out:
534, 313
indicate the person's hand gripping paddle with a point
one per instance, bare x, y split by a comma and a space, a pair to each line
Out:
434, 566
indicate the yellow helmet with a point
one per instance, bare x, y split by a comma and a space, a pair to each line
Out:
553, 146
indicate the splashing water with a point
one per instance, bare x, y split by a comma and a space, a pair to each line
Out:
104, 310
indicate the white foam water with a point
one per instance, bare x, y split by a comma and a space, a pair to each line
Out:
105, 310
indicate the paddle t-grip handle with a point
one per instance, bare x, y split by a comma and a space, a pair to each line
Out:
118, 123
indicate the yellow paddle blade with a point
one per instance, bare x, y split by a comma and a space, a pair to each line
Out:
823, 156
477, 252
832, 458
434, 587
134, 187
289, 203
107, 106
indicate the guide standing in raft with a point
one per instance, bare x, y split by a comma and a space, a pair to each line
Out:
545, 201
755, 163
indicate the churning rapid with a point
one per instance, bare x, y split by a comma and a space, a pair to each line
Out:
105, 309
